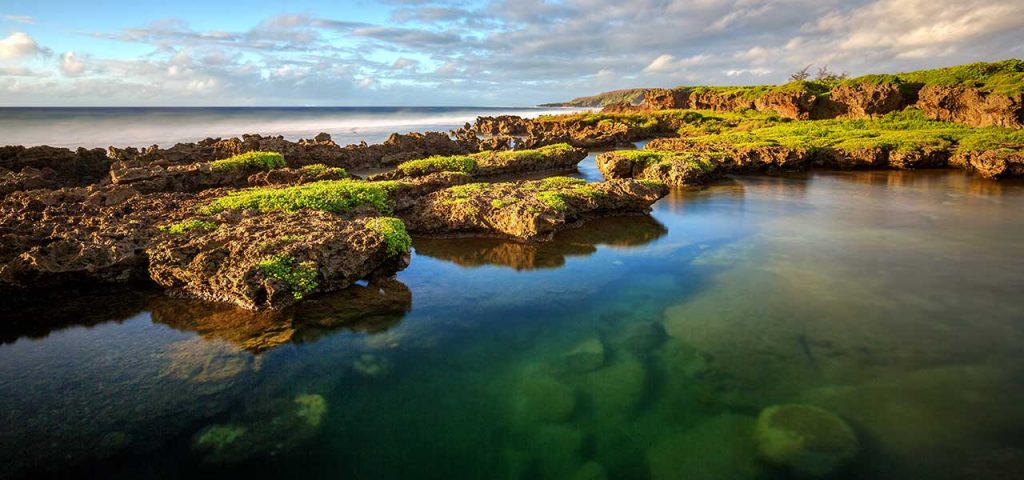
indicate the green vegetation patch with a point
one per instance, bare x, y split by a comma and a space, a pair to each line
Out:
906, 130
394, 232
455, 163
555, 192
653, 157
1006, 77
511, 157
251, 160
329, 195
633, 96
300, 278
188, 226
321, 169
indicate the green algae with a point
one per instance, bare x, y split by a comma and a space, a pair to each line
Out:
299, 277
329, 195
395, 234
188, 226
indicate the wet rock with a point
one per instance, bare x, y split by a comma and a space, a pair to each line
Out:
991, 163
586, 356
718, 448
810, 441
544, 399
271, 260
529, 210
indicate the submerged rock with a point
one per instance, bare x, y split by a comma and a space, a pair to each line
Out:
270, 430
586, 356
544, 399
641, 337
810, 441
719, 448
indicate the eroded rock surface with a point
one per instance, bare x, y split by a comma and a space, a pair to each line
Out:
528, 210
273, 259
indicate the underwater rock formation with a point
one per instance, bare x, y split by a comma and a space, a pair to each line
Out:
269, 430
810, 441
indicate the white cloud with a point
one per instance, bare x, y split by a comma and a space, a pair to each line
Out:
71, 64
18, 45
403, 63
669, 63
19, 19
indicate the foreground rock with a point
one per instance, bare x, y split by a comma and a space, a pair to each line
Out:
528, 210
91, 235
271, 260
32, 168
810, 441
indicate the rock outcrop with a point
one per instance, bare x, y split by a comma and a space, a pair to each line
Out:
319, 150
529, 210
971, 106
31, 168
492, 165
681, 170
273, 259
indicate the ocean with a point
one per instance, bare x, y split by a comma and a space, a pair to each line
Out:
93, 127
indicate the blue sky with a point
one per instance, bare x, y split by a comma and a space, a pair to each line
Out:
499, 53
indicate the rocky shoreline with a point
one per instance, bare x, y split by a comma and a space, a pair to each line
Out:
262, 222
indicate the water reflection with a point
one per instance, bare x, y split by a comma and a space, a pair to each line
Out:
371, 308
622, 231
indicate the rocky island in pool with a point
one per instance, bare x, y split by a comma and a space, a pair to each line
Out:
698, 282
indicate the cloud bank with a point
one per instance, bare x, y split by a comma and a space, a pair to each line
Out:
504, 52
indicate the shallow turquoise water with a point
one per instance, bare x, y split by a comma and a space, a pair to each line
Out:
632, 347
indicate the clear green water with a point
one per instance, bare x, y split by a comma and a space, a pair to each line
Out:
892, 299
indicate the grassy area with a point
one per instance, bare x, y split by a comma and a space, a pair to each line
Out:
754, 92
300, 278
251, 160
1006, 77
188, 226
653, 157
329, 195
321, 169
394, 232
905, 130
553, 192
455, 163
469, 164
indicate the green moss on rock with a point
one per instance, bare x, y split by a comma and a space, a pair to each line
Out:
329, 195
300, 278
188, 226
251, 160
394, 232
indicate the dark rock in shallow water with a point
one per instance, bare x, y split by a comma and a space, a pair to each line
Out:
809, 441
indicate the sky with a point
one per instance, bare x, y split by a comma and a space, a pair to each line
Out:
467, 53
